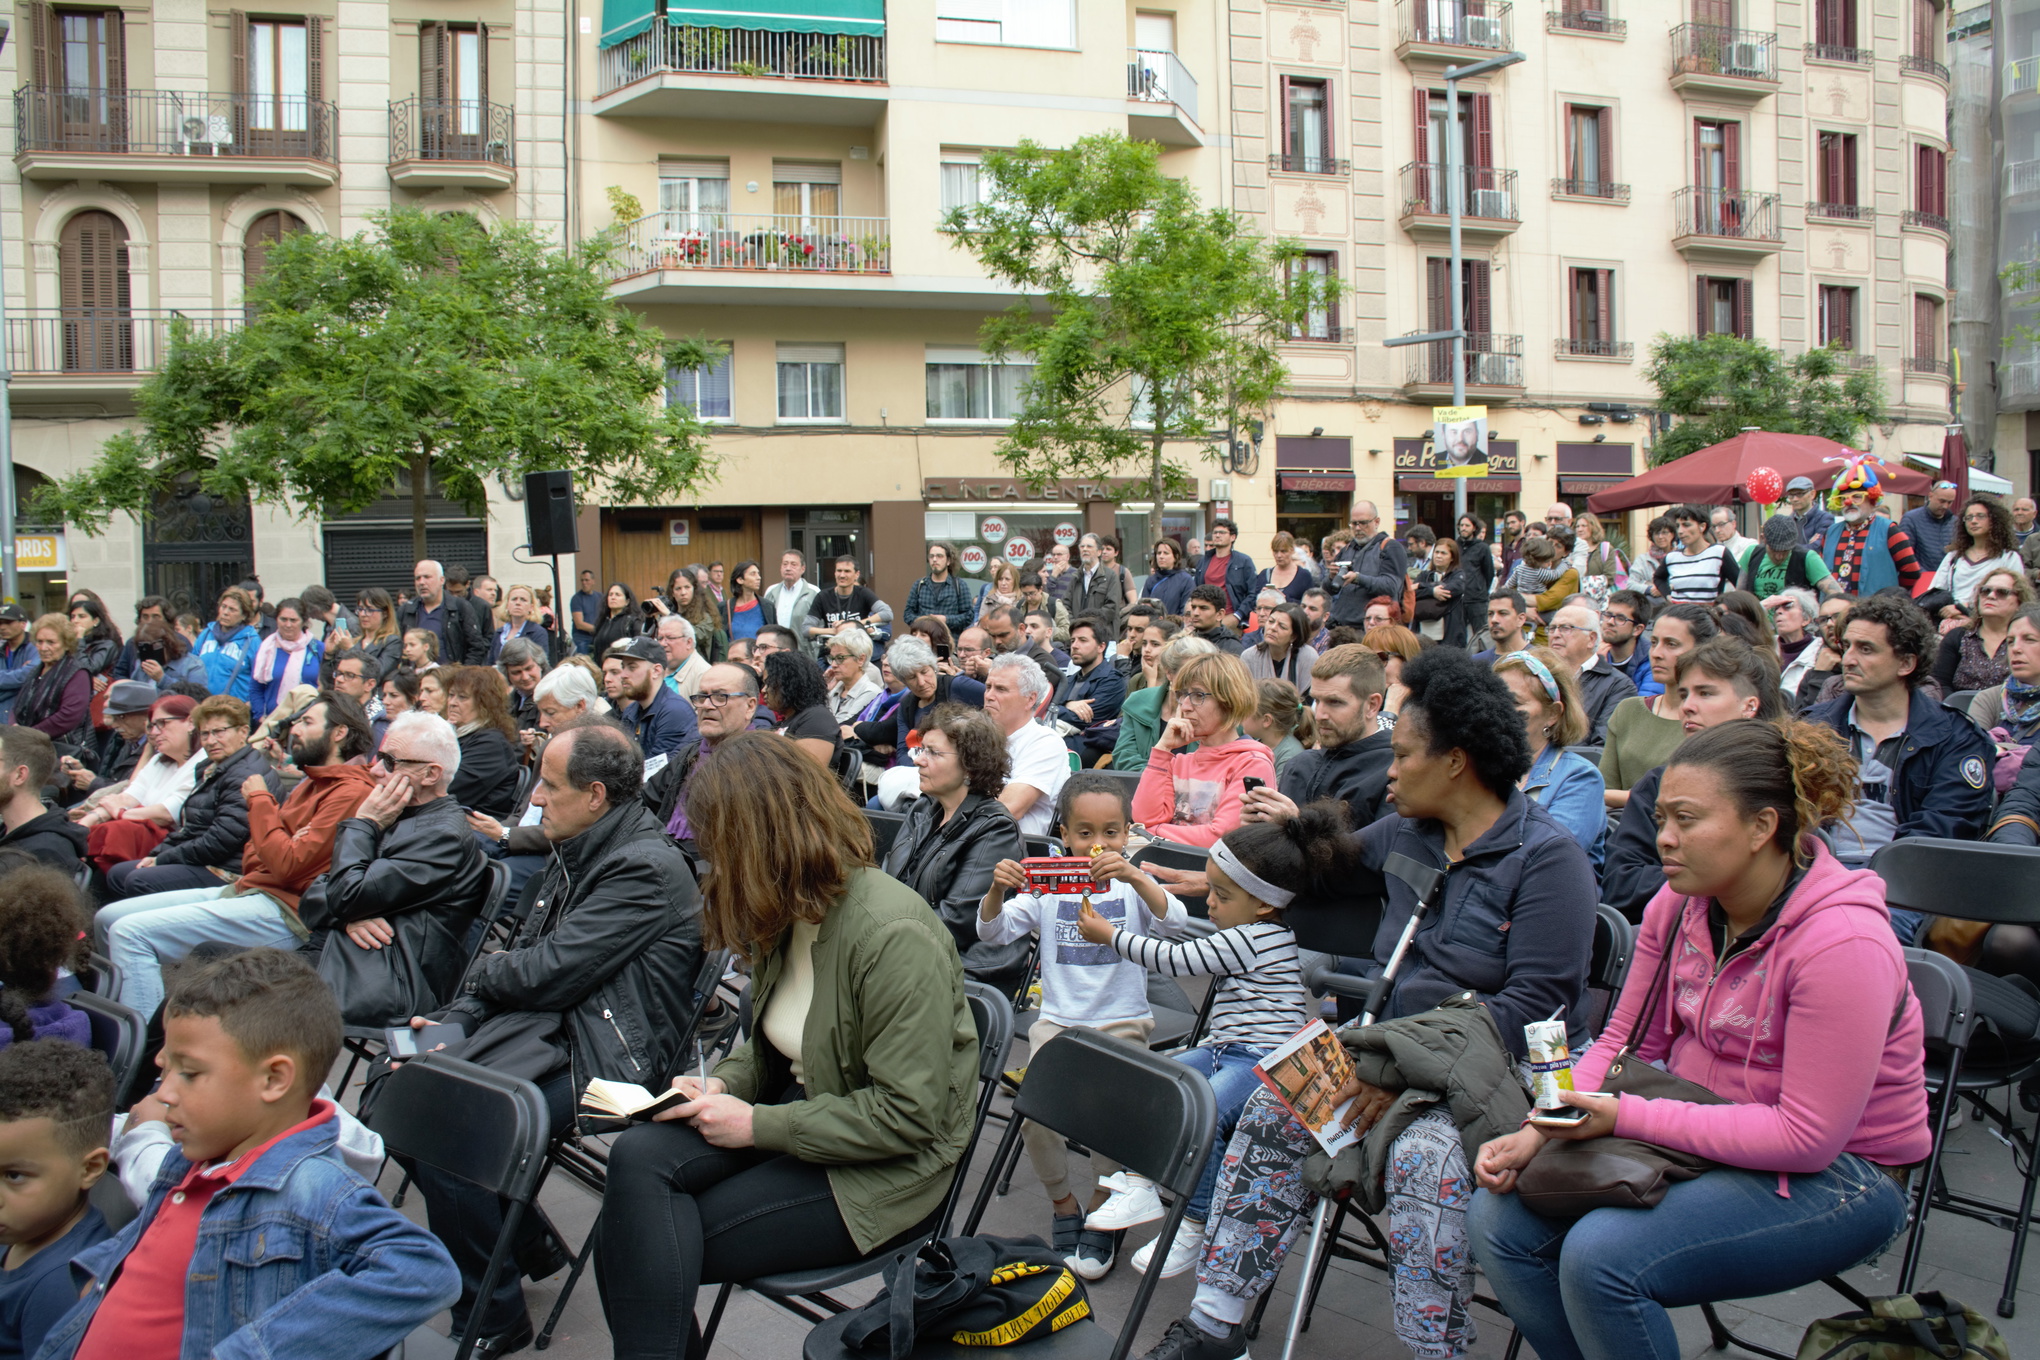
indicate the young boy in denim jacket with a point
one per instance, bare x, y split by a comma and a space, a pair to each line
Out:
257, 1240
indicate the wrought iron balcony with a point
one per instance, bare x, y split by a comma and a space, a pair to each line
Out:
1914, 217
1483, 191
172, 123
1428, 28
1570, 347
759, 53
1490, 361
1308, 163
1855, 56
1597, 19
1925, 66
86, 340
451, 130
1725, 218
1842, 212
1160, 78
1731, 61
1591, 188
763, 242
1931, 368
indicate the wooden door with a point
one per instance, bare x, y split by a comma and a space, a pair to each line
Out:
637, 546
264, 232
92, 266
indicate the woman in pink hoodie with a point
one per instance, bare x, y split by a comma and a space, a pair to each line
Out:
1194, 797
1786, 995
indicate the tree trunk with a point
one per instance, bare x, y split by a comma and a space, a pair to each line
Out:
421, 464
1155, 491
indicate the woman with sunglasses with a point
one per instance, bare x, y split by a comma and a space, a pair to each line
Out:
1977, 655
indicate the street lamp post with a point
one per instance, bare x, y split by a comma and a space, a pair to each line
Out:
9, 583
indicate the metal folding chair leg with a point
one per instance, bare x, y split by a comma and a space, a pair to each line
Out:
1929, 1175
552, 1319
1723, 1338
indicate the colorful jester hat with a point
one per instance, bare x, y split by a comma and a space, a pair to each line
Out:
1859, 473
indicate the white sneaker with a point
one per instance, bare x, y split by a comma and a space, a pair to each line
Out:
1113, 1183
1129, 1208
1184, 1252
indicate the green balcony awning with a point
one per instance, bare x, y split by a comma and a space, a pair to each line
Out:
623, 19
854, 17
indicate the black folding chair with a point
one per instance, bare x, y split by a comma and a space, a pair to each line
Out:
1130, 778
848, 766
1170, 855
122, 1034
1154, 1116
101, 976
796, 1290
1993, 883
468, 1121
1614, 945
885, 829
1042, 846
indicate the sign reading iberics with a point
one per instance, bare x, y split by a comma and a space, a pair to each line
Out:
1008, 489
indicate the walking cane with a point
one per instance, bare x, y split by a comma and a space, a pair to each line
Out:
1428, 884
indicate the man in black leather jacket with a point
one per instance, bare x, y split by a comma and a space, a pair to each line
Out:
212, 828
600, 981
407, 881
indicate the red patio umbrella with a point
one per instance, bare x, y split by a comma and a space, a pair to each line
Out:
1955, 462
1715, 475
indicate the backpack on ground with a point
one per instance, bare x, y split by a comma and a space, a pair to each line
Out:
1906, 1327
970, 1291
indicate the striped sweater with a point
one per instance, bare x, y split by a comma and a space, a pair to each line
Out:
1261, 1001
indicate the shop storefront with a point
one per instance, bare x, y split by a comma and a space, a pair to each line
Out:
1586, 468
1313, 489
1423, 497
988, 520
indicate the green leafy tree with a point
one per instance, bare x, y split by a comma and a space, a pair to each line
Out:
1718, 384
425, 346
1150, 321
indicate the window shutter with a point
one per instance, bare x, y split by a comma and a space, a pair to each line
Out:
482, 62
1325, 140
1479, 316
1606, 169
1731, 157
1940, 159
43, 48
1699, 153
1849, 168
1745, 322
1830, 168
1700, 297
433, 78
1438, 292
1604, 305
315, 70
1845, 300
1483, 132
1923, 329
1423, 138
237, 50
1289, 147
116, 51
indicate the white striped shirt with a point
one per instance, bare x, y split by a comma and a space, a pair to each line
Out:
1700, 576
1261, 1001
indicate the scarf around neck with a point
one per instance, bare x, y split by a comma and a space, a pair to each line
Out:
294, 663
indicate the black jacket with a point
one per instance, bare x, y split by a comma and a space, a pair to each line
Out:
111, 757
2022, 801
1356, 774
1631, 872
661, 793
1105, 687
213, 828
52, 838
951, 865
612, 943
487, 780
1452, 612
462, 644
1601, 688
1941, 780
609, 630
428, 868
1381, 567
388, 655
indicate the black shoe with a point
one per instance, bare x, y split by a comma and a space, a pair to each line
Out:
503, 1343
1063, 1231
1185, 1340
542, 1256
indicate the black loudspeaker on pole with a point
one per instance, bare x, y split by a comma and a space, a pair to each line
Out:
550, 526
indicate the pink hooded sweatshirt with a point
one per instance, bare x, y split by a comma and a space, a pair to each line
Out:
1813, 1032
1195, 798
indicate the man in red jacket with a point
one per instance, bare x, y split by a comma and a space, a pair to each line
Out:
289, 845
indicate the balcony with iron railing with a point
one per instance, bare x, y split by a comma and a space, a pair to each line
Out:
1604, 190
1309, 163
1859, 213
1488, 206
1724, 63
1918, 366
1161, 99
1838, 52
1322, 332
1726, 223
748, 251
1598, 20
70, 343
174, 136
1574, 347
1923, 66
1490, 361
1928, 221
1450, 31
456, 143
758, 75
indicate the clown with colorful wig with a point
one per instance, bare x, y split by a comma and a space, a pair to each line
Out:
1863, 548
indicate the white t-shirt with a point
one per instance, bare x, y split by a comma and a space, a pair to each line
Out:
1084, 983
1040, 761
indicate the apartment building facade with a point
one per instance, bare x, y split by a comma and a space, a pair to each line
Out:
1762, 167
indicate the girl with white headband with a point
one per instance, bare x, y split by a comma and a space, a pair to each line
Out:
1256, 871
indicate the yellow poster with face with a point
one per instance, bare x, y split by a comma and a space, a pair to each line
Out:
1459, 440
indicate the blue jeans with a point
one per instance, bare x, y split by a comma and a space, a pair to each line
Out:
144, 933
1597, 1287
1906, 925
1230, 1070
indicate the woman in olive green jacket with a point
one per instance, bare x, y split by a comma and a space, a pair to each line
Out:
837, 1128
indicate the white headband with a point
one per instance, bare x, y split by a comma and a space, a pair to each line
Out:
1224, 858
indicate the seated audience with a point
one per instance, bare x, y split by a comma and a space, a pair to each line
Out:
57, 699
1811, 1038
1014, 691
1081, 986
2010, 706
478, 707
1351, 758
1575, 634
1973, 654
1087, 699
1194, 796
226, 646
1795, 615
835, 1130
1283, 652
1721, 680
956, 831
112, 754
1785, 563
43, 917
1459, 749
927, 686
406, 869
1508, 621
352, 672
569, 691
1142, 716
1625, 634
1920, 769
1280, 721
592, 986
421, 649
1643, 731
851, 687
523, 664
288, 846
28, 760
1140, 655
1564, 783
684, 660
56, 1111
163, 657
1983, 543
726, 704
399, 695
794, 690
432, 692
1204, 615
204, 850
127, 821
248, 1039
287, 658
658, 719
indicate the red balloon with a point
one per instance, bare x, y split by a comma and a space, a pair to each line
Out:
1765, 485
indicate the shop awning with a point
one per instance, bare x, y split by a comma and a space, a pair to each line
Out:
623, 19
1417, 481
1979, 480
1316, 481
854, 17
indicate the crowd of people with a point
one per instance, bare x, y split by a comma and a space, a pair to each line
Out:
283, 822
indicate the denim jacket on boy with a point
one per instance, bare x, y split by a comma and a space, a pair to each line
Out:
299, 1257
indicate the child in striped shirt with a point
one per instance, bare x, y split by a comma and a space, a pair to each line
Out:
1256, 871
